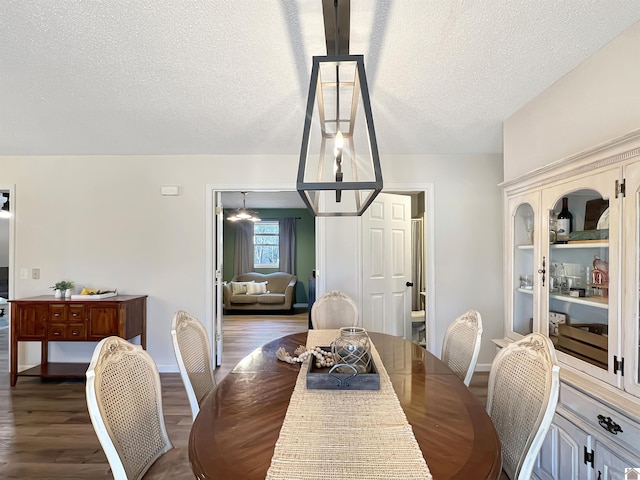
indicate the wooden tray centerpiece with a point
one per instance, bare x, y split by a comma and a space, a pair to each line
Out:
341, 377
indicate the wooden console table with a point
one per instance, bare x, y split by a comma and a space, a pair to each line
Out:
46, 319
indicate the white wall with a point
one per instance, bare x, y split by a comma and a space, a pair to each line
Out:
597, 101
101, 221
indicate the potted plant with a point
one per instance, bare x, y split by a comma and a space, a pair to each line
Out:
63, 288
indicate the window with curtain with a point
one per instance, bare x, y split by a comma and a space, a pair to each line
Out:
288, 245
266, 244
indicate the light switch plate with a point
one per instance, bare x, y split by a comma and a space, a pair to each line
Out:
170, 190
35, 273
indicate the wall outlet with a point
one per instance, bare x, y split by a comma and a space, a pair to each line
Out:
35, 273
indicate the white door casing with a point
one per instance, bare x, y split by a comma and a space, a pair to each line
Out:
217, 344
11, 190
386, 265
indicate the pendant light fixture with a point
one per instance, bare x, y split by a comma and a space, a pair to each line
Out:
5, 212
339, 172
243, 214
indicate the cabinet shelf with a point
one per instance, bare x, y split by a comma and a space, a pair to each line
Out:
571, 246
528, 291
597, 302
56, 370
524, 247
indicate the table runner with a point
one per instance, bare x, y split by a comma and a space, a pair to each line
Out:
337, 434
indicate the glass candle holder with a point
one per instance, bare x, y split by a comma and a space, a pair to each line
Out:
352, 347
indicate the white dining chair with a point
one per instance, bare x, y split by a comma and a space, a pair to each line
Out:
334, 309
523, 389
193, 354
461, 344
124, 399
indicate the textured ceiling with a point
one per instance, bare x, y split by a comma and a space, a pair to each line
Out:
231, 77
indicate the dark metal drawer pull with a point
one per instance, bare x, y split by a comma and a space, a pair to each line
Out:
609, 425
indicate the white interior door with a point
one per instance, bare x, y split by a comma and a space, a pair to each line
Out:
386, 265
217, 321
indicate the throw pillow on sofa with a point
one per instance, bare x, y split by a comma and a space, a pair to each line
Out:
238, 288
256, 288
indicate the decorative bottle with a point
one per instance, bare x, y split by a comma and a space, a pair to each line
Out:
564, 222
354, 348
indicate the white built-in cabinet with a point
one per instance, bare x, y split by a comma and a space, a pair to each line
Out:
583, 294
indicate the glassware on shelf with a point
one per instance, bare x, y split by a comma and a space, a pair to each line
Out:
526, 282
528, 221
553, 220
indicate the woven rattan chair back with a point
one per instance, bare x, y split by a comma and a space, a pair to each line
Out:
193, 353
124, 398
461, 345
334, 309
522, 396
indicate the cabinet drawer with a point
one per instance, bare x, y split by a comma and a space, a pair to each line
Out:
602, 418
75, 313
59, 312
67, 331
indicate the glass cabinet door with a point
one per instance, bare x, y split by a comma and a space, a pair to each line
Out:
582, 266
631, 313
523, 233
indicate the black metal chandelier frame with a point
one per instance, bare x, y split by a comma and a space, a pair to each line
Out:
337, 39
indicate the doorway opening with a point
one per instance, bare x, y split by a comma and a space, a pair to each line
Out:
5, 262
285, 220
421, 247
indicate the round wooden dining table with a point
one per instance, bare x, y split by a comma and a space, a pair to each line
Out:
234, 435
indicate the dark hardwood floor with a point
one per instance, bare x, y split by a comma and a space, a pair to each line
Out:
45, 431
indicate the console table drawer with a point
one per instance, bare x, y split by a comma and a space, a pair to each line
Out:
613, 425
67, 331
62, 312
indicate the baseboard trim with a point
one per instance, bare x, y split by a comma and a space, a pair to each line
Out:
483, 367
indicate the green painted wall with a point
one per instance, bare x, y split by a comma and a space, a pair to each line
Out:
305, 246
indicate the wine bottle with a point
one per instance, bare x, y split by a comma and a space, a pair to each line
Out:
564, 224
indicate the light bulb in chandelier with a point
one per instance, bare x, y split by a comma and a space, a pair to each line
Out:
337, 168
339, 143
243, 214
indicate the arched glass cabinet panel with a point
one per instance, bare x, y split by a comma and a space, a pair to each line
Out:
523, 273
631, 277
522, 241
578, 280
582, 274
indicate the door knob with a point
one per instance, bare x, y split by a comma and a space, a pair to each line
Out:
409, 284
